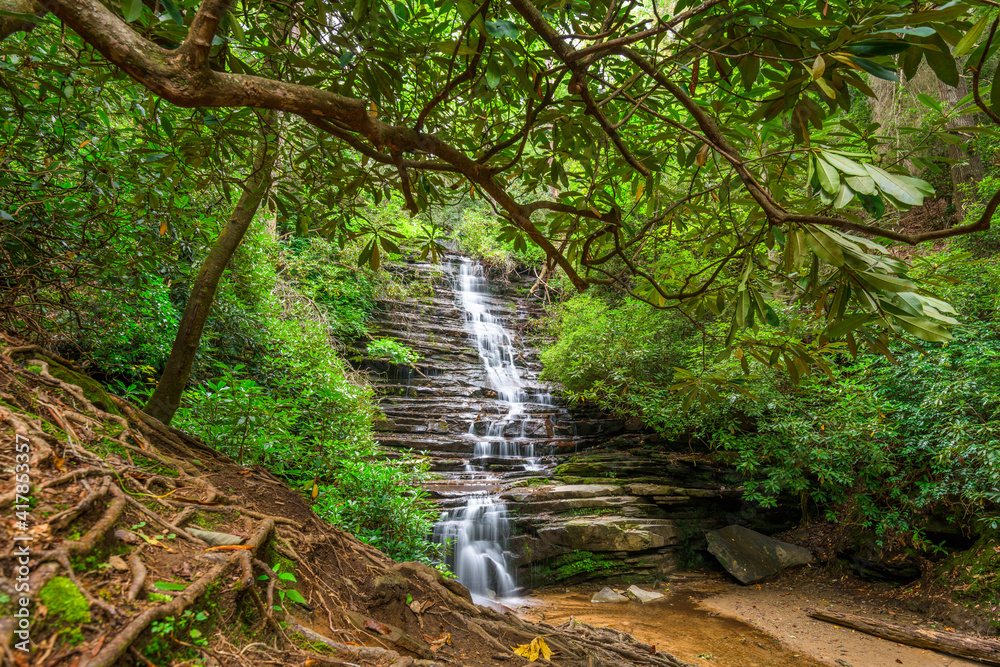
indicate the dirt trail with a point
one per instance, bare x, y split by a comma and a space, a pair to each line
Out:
715, 623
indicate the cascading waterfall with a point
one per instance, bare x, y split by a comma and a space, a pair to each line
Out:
479, 531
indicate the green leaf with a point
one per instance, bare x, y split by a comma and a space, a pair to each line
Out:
493, 75
920, 31
942, 62
174, 13
863, 185
884, 282
895, 187
448, 47
829, 179
169, 586
846, 325
286, 576
843, 164
877, 47
923, 328
844, 196
968, 41
502, 29
874, 69
295, 596
825, 247
131, 9
929, 101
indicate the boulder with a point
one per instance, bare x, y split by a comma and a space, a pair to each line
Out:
750, 556
607, 595
642, 596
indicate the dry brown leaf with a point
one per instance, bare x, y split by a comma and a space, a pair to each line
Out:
381, 628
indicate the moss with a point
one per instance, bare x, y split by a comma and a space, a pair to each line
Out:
577, 564
974, 576
67, 608
91, 388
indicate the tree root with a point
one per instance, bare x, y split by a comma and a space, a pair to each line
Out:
63, 519
139, 574
163, 522
241, 510
116, 648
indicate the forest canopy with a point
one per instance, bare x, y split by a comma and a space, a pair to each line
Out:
699, 156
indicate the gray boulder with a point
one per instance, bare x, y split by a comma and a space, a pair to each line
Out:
750, 556
607, 595
642, 596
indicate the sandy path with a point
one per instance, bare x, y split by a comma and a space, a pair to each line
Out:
716, 623
779, 611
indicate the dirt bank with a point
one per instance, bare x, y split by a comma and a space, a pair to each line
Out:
713, 622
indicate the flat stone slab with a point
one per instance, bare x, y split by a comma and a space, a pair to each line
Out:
607, 595
612, 533
643, 596
750, 556
580, 491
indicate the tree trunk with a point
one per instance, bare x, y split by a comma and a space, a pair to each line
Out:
11, 24
966, 646
968, 168
167, 396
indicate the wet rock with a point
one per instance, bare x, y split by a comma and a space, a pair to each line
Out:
636, 593
607, 595
750, 556
612, 533
652, 490
440, 427
580, 491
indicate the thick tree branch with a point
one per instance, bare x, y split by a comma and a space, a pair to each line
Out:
11, 24
202, 30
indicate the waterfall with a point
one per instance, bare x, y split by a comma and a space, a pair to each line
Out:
478, 533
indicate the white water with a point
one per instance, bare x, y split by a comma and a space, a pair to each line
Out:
479, 532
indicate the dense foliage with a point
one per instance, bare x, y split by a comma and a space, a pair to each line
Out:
885, 443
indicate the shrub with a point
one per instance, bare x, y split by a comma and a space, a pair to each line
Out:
387, 348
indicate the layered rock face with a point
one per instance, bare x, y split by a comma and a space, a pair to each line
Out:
581, 497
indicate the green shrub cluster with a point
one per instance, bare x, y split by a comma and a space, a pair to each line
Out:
883, 443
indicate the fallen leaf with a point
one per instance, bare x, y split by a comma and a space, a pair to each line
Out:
532, 651
381, 628
229, 547
443, 639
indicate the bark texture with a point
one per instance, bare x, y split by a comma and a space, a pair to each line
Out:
167, 396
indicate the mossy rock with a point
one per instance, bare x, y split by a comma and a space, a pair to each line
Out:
91, 388
975, 572
580, 566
